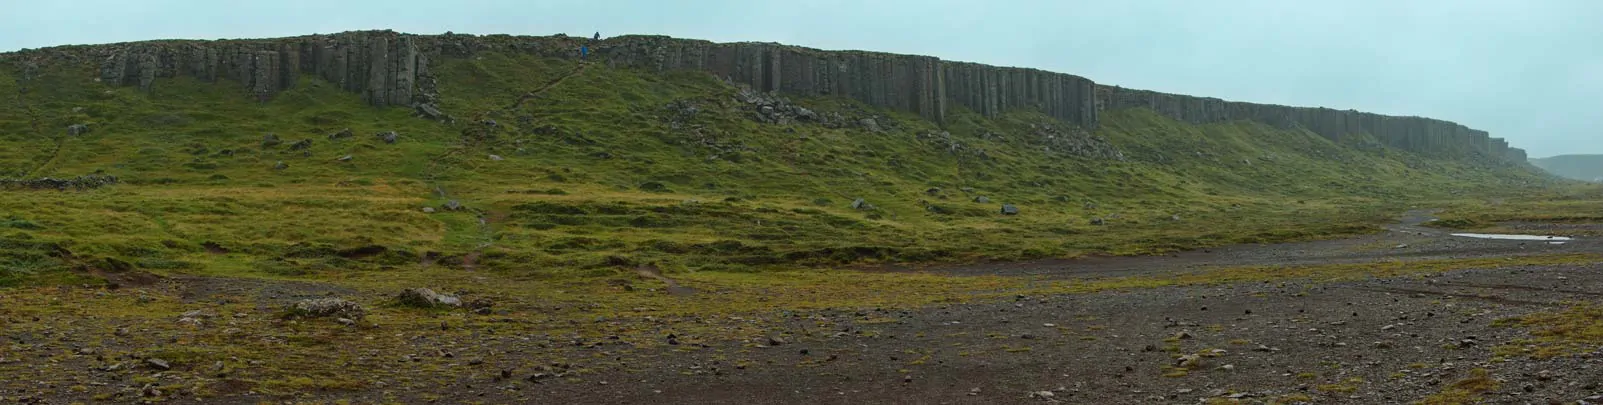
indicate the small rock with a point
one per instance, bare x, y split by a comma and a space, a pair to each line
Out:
1189, 360
345, 158
1183, 336
1388, 327
776, 341
158, 364
347, 322
77, 129
428, 210
1042, 394
1098, 221
452, 205
1009, 209
389, 136
496, 158
346, 133
982, 200
426, 298
860, 204
280, 165
1228, 367
270, 140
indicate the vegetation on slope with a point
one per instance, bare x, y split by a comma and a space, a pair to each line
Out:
601, 168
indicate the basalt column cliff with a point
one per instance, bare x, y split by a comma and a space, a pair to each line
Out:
390, 68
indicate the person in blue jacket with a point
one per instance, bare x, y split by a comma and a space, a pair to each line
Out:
584, 51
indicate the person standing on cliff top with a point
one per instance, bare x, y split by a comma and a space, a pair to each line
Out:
597, 37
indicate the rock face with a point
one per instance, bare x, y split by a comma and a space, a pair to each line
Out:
1418, 134
384, 66
389, 68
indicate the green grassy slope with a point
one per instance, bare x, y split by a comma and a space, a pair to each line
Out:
605, 167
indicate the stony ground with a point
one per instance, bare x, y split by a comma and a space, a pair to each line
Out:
1435, 336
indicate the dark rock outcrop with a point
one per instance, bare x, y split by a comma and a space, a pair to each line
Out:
384, 66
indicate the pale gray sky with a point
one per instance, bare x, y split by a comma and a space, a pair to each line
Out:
1527, 70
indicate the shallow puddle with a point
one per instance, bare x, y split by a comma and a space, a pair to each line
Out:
1511, 237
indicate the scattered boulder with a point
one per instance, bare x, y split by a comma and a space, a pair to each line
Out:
327, 308
496, 158
452, 205
481, 306
270, 140
388, 136
426, 298
303, 144
1189, 361
428, 210
869, 124
77, 129
1098, 221
1010, 209
982, 199
860, 204
806, 114
158, 364
280, 165
342, 134
431, 111
345, 158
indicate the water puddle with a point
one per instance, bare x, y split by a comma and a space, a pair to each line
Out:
1514, 237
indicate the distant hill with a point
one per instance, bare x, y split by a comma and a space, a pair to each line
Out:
1579, 167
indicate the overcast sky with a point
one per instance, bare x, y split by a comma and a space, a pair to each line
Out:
1530, 71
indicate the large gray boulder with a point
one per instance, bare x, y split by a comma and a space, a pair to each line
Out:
426, 298
327, 308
